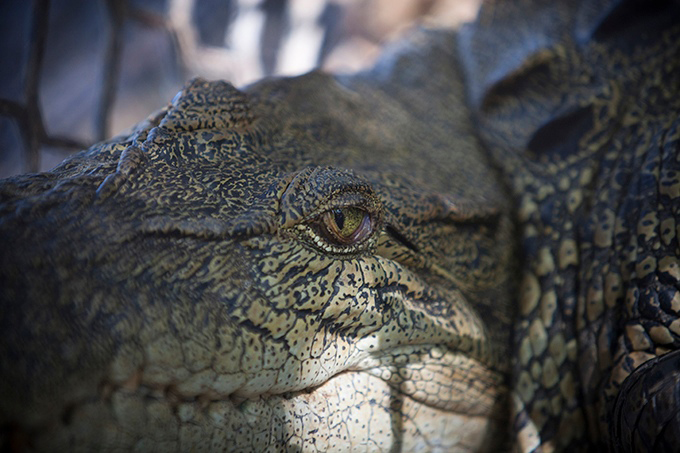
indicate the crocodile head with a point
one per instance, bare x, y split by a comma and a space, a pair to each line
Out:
311, 264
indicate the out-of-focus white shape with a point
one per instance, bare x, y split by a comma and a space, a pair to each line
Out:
243, 39
302, 45
240, 64
453, 13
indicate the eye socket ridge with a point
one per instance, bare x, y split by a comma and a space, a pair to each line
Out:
345, 223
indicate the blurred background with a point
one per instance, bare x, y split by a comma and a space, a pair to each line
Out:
75, 72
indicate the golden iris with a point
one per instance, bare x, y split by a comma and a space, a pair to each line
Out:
347, 225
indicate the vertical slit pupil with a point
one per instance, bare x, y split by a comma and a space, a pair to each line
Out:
339, 218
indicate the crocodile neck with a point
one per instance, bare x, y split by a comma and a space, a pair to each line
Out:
593, 173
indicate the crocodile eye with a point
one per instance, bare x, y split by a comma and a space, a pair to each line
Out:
347, 225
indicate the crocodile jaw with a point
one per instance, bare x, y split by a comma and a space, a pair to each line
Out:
353, 411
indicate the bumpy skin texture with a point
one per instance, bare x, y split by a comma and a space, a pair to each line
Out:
580, 105
175, 289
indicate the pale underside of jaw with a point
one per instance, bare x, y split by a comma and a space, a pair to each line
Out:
352, 411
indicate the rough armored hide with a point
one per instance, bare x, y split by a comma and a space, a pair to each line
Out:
470, 247
300, 266
582, 110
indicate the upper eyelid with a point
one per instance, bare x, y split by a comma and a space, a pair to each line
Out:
356, 200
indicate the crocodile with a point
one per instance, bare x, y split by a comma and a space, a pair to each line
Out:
471, 246
265, 269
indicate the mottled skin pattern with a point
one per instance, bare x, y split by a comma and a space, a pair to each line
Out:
581, 108
182, 288
178, 289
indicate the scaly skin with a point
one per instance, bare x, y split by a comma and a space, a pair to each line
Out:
181, 283
580, 107
176, 289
